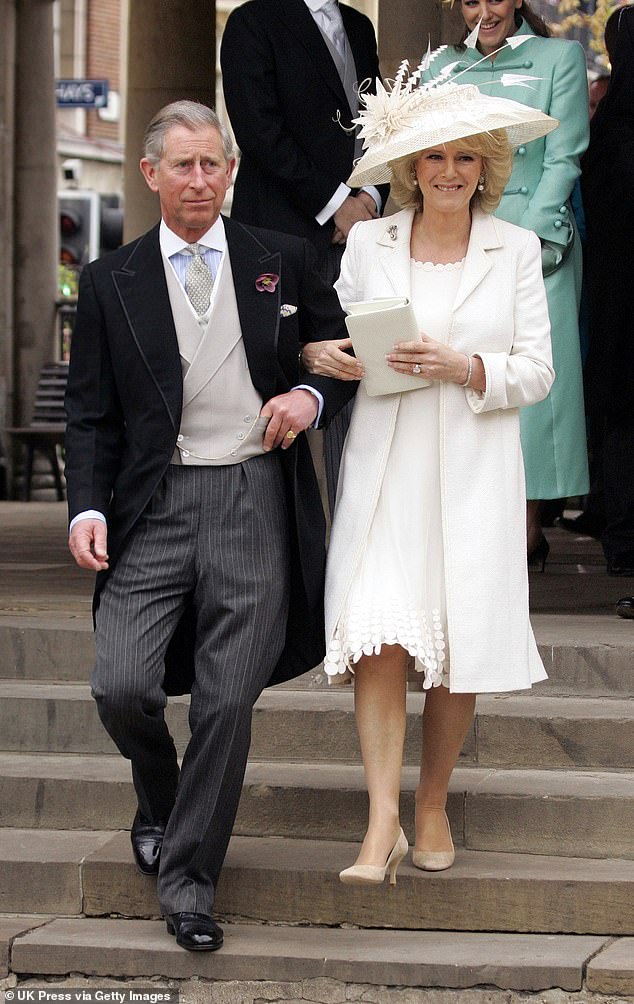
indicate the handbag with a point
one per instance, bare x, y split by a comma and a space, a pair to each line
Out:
555, 254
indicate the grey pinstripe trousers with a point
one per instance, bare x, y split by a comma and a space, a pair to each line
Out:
219, 534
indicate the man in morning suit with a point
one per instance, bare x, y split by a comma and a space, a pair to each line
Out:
192, 494
291, 70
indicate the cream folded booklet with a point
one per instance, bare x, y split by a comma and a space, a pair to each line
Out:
375, 326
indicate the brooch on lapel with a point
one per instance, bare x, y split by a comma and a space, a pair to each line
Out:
287, 309
267, 282
392, 231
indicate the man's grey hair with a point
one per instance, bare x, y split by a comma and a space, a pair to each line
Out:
190, 114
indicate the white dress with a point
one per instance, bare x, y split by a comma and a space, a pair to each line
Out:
397, 595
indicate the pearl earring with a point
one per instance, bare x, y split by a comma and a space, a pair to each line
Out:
481, 183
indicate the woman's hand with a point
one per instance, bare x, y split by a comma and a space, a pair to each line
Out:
435, 361
329, 358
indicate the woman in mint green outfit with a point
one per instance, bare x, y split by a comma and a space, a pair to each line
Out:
537, 197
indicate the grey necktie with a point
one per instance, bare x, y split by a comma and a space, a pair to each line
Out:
198, 280
332, 24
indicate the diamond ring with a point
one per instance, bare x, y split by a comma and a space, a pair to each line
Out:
416, 368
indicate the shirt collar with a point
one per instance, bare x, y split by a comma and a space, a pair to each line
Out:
172, 244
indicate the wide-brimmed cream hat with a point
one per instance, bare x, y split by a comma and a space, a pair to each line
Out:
407, 117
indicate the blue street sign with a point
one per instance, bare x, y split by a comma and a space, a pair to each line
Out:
81, 93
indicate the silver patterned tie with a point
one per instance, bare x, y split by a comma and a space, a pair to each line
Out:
198, 280
332, 24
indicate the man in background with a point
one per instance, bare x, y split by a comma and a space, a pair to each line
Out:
291, 71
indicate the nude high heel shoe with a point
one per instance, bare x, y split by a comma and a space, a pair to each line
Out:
435, 861
375, 874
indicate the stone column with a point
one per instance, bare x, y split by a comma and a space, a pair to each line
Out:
406, 26
35, 200
7, 129
171, 55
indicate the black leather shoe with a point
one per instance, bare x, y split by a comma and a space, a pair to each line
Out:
147, 840
625, 607
537, 557
585, 525
195, 931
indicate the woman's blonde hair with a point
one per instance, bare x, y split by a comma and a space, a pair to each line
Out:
497, 157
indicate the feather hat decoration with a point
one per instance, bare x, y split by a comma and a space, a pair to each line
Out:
407, 116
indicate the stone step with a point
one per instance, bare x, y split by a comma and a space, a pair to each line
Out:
569, 813
62, 718
509, 730
45, 646
587, 654
129, 949
10, 929
276, 880
584, 654
65, 791
40, 870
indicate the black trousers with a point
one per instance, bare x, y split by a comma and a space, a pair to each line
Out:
618, 482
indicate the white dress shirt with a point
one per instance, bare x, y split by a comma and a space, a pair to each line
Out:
173, 248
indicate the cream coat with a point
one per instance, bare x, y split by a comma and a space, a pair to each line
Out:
500, 313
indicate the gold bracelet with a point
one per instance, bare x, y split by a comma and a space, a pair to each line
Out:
469, 373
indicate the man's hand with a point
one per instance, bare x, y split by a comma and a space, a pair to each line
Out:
368, 202
329, 358
88, 544
351, 210
291, 412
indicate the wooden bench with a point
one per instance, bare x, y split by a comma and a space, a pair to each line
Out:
47, 428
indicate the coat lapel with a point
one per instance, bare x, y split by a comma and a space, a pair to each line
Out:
142, 290
394, 253
259, 312
298, 19
484, 237
359, 54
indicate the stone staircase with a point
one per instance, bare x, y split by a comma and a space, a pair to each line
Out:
540, 900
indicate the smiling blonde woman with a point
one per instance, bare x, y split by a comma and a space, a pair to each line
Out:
427, 554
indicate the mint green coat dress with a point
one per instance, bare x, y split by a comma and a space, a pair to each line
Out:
537, 197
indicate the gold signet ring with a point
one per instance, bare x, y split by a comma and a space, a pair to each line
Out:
290, 434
